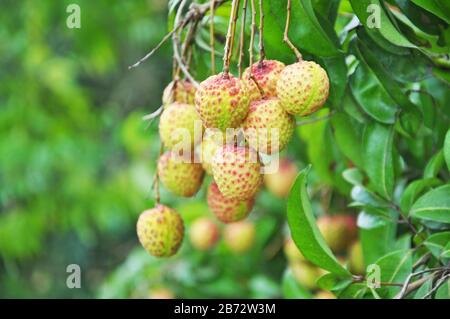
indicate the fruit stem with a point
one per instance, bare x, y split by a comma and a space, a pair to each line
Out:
262, 52
211, 37
286, 31
230, 36
242, 37
252, 34
156, 180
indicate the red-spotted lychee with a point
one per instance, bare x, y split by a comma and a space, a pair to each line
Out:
239, 237
221, 101
180, 126
183, 177
203, 233
266, 74
339, 231
303, 88
160, 230
236, 170
280, 182
212, 141
268, 128
182, 92
305, 274
228, 210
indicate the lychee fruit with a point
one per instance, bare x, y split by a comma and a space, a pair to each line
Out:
161, 293
236, 171
266, 74
182, 178
182, 91
292, 253
180, 125
267, 127
323, 294
280, 182
221, 101
339, 231
160, 230
356, 259
305, 274
228, 210
203, 233
303, 88
212, 141
239, 237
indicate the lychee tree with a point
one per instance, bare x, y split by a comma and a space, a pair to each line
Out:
356, 94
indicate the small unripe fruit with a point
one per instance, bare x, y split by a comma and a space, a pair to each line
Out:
161, 293
180, 125
236, 171
339, 231
179, 177
280, 182
160, 230
267, 127
239, 237
212, 141
222, 101
266, 74
292, 253
324, 295
305, 274
303, 88
203, 233
228, 210
182, 92
356, 259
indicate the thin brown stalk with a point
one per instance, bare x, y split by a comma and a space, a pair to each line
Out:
286, 32
242, 37
262, 53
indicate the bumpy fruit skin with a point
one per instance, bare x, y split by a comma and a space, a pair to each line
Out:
203, 233
303, 88
339, 231
324, 295
161, 293
239, 237
212, 141
236, 171
305, 274
280, 182
292, 253
266, 73
228, 210
267, 127
183, 92
177, 126
160, 230
182, 179
222, 101
356, 259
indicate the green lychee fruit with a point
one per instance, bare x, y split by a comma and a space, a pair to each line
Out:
267, 127
266, 74
239, 237
305, 274
339, 231
212, 141
182, 92
303, 88
236, 171
356, 259
178, 176
280, 182
180, 126
161, 293
203, 233
292, 253
228, 210
323, 294
160, 230
222, 101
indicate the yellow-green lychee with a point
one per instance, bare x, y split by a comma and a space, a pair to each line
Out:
303, 88
239, 237
222, 102
292, 253
279, 183
267, 127
228, 210
305, 274
323, 294
266, 74
211, 142
339, 231
180, 176
203, 233
180, 126
356, 259
161, 293
236, 171
160, 231
182, 92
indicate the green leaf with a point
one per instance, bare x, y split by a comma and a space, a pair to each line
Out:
444, 291
439, 8
434, 205
447, 149
434, 165
377, 242
291, 289
353, 176
437, 244
332, 282
337, 72
414, 190
304, 230
395, 268
378, 158
347, 136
